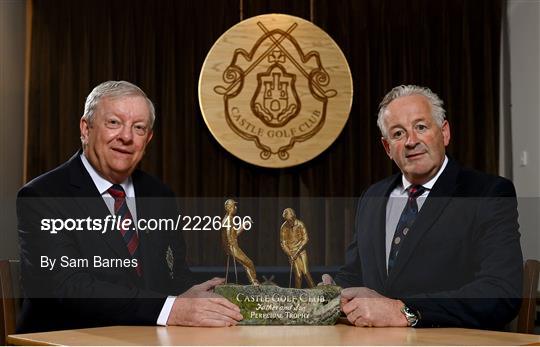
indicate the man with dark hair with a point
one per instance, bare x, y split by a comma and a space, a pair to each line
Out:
437, 244
79, 277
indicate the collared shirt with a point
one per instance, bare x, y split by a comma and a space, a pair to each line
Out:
103, 186
397, 201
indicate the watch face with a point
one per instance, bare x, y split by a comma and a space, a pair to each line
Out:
411, 317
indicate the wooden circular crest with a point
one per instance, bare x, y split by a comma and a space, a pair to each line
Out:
275, 90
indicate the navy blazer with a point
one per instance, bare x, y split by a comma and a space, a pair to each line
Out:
67, 298
461, 263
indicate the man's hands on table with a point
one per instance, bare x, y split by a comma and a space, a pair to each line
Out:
365, 307
199, 306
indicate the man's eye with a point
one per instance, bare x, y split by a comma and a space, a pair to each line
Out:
421, 127
140, 129
397, 134
113, 122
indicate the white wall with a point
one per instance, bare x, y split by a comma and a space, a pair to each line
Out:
12, 45
524, 65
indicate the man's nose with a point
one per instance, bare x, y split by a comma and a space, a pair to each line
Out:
412, 139
126, 133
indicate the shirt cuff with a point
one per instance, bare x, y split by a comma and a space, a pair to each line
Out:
166, 311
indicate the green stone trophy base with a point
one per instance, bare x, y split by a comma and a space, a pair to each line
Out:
273, 305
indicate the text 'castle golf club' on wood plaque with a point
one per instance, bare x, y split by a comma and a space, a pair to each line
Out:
275, 90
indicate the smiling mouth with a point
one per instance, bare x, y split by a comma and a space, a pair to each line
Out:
414, 155
122, 151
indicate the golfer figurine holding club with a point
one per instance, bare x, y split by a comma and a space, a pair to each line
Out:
229, 240
293, 239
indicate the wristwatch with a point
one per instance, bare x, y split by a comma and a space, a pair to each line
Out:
410, 316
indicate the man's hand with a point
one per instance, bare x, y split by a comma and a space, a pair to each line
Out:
199, 306
367, 308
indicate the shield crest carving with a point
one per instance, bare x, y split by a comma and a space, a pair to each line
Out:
275, 100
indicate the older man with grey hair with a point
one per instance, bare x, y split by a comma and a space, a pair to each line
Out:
108, 274
436, 244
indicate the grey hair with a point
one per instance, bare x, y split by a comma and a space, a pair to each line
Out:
437, 110
113, 90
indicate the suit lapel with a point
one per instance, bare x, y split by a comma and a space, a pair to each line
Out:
438, 198
379, 226
145, 206
91, 202
145, 197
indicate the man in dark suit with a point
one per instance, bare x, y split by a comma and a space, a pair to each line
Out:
437, 244
81, 274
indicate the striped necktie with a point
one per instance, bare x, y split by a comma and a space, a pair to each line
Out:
406, 220
129, 234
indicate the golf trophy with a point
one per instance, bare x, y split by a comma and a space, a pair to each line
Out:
269, 304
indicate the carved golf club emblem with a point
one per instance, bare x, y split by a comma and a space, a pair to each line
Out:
275, 90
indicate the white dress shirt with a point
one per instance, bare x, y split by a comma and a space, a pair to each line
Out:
103, 186
397, 201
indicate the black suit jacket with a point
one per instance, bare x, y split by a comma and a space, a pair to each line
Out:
460, 265
65, 297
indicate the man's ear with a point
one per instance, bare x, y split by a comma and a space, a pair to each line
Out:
84, 127
445, 128
386, 146
150, 136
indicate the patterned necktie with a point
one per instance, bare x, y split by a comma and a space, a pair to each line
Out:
406, 220
129, 234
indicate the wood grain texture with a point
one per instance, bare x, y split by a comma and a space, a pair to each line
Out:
275, 90
337, 335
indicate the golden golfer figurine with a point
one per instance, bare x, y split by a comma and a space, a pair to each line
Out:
229, 240
293, 239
